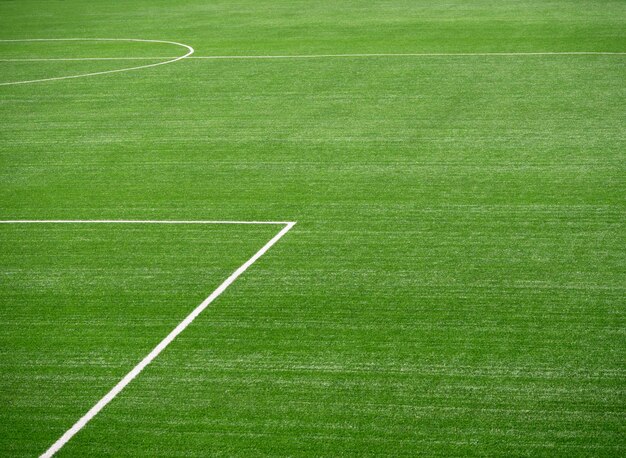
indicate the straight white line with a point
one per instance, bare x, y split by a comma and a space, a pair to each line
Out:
133, 221
80, 424
62, 59
486, 54
320, 56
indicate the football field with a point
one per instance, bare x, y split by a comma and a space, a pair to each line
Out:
295, 228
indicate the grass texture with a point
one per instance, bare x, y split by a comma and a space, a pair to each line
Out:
455, 283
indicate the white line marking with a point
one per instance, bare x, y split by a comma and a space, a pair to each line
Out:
486, 54
190, 51
132, 221
80, 424
302, 56
62, 59
320, 56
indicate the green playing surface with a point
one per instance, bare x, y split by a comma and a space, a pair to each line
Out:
455, 281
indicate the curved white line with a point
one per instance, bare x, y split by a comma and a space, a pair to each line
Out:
190, 51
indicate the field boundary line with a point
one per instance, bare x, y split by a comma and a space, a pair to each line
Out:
170, 60
135, 371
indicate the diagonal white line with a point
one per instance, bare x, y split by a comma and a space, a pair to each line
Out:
80, 424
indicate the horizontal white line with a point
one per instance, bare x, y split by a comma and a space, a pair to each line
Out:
320, 56
130, 221
135, 371
486, 54
55, 59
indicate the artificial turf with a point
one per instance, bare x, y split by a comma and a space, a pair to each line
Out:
454, 284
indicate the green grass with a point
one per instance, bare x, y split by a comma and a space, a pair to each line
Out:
455, 283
